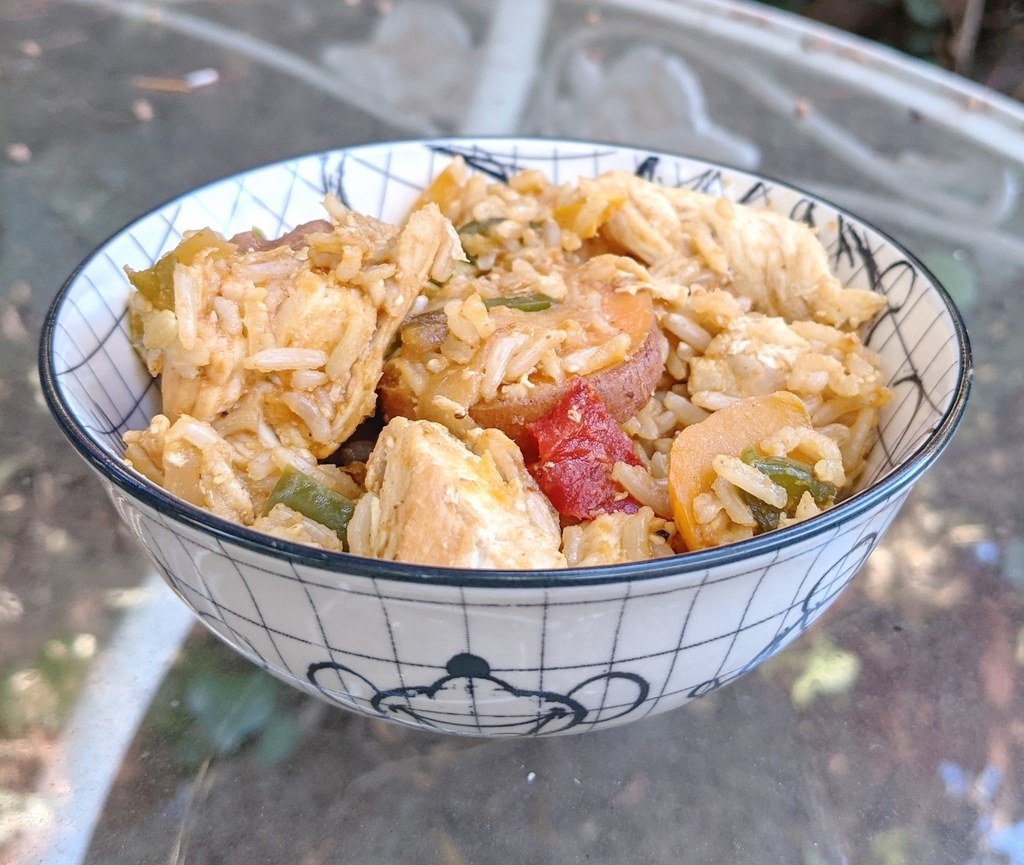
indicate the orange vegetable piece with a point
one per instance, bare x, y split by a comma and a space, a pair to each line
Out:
727, 431
444, 190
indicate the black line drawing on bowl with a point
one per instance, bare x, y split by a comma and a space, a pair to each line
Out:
824, 590
519, 711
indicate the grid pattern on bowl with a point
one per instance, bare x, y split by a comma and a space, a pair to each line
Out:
411, 652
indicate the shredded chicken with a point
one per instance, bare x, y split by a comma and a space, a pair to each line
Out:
190, 459
289, 339
758, 355
776, 262
436, 500
618, 537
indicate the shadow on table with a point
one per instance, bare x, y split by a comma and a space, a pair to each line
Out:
721, 780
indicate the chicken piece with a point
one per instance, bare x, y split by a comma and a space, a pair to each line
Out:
191, 460
220, 474
288, 337
433, 500
778, 263
752, 356
756, 355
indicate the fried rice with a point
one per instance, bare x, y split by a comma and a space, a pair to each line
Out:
450, 335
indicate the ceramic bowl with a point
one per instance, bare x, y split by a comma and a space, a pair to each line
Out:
482, 652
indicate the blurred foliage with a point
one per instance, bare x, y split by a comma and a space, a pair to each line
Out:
916, 27
41, 694
211, 704
815, 667
827, 670
997, 841
926, 14
216, 704
956, 274
17, 809
892, 847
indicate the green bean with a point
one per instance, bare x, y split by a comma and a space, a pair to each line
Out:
793, 476
313, 500
767, 517
480, 226
525, 302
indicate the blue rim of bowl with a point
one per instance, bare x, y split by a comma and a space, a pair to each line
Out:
691, 564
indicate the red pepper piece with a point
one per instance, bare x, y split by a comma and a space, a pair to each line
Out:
578, 443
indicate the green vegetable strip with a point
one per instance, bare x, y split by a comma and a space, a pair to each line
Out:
156, 283
480, 226
793, 476
767, 517
525, 303
313, 500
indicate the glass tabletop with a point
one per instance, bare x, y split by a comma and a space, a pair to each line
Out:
889, 733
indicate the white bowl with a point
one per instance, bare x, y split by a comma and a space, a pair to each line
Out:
483, 652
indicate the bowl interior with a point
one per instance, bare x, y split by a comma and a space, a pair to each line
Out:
98, 388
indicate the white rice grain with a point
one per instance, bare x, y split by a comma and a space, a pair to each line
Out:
738, 510
749, 479
706, 506
307, 410
687, 330
638, 482
308, 379
196, 433
279, 359
229, 316
587, 360
494, 361
683, 410
527, 357
712, 400
186, 304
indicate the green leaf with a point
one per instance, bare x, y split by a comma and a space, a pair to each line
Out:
192, 748
926, 13
956, 275
920, 42
828, 671
231, 708
278, 739
892, 846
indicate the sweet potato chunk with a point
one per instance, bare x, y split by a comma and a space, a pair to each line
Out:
728, 431
624, 386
